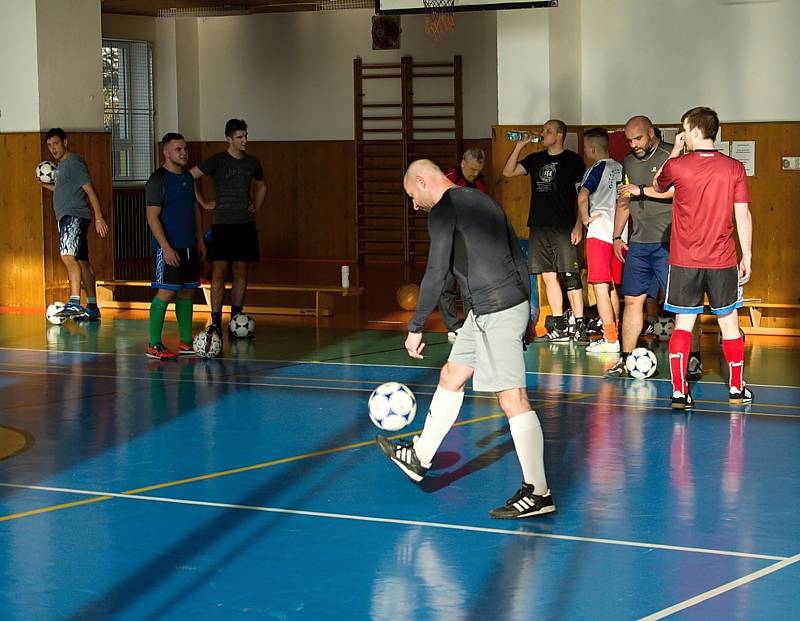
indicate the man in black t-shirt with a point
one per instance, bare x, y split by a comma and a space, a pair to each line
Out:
239, 191
555, 227
471, 236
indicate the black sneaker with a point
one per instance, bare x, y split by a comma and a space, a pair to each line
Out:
618, 370
740, 397
581, 334
648, 329
402, 453
682, 401
211, 329
694, 371
524, 504
594, 327
556, 336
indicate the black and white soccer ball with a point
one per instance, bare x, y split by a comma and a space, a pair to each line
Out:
392, 406
206, 348
242, 326
46, 171
641, 363
52, 313
663, 328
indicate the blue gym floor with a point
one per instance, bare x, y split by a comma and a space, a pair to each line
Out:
250, 487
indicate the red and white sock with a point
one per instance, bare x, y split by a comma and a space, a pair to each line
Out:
679, 345
734, 354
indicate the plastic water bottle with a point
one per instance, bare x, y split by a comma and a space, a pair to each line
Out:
518, 135
345, 276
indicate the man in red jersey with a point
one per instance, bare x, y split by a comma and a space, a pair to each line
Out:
710, 192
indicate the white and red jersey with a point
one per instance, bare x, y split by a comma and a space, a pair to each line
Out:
707, 184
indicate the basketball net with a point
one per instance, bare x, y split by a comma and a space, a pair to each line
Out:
439, 18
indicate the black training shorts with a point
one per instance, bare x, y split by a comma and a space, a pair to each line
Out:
234, 242
687, 286
550, 250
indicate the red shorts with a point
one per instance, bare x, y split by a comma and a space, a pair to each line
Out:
603, 264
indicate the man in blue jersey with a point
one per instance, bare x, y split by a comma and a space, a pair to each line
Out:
177, 239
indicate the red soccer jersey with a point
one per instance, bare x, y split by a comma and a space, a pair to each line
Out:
707, 184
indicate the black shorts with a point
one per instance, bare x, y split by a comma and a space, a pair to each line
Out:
185, 276
550, 250
686, 287
73, 233
234, 242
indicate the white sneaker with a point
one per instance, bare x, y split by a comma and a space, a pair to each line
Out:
603, 347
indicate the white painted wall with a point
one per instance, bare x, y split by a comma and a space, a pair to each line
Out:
291, 75
70, 64
19, 77
565, 61
523, 66
662, 58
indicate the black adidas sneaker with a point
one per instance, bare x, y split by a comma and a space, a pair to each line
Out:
524, 504
402, 453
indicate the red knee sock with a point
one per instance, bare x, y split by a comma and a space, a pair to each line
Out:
734, 354
679, 345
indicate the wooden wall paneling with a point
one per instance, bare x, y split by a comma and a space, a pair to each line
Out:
310, 207
21, 241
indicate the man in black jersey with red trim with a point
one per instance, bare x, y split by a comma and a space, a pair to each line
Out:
468, 174
470, 235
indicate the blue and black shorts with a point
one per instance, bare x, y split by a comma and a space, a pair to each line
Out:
73, 237
646, 269
687, 287
185, 276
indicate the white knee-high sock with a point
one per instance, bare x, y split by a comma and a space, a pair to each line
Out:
529, 442
445, 407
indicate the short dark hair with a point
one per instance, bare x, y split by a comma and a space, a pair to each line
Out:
562, 127
597, 136
56, 131
234, 125
170, 136
704, 119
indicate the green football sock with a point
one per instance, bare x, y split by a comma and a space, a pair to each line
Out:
183, 311
158, 309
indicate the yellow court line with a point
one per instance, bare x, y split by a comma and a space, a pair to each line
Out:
224, 473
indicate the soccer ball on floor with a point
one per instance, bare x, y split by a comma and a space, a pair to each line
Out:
52, 315
663, 328
242, 326
46, 172
641, 363
203, 348
392, 406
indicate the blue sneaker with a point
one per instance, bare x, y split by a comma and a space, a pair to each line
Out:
71, 309
90, 313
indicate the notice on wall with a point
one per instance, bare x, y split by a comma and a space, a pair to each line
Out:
723, 146
571, 142
745, 152
668, 134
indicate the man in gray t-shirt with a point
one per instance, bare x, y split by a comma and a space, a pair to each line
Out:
239, 192
73, 193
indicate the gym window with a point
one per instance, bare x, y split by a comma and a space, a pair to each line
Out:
128, 108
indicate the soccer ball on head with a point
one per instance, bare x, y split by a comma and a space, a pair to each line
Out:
641, 363
242, 325
392, 406
204, 348
52, 313
663, 328
46, 172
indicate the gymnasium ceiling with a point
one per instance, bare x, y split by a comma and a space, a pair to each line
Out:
218, 7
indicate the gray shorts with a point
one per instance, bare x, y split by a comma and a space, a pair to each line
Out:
492, 345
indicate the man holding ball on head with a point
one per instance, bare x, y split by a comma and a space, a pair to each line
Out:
177, 239
467, 228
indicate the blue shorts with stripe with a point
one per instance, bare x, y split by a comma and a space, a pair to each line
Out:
185, 276
646, 269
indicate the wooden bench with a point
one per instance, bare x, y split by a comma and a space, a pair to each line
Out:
756, 309
323, 297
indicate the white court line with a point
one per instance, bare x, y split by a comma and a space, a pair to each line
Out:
722, 589
382, 520
363, 364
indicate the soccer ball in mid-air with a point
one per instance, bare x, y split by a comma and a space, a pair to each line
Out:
641, 363
663, 328
206, 348
46, 172
392, 406
242, 325
52, 313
